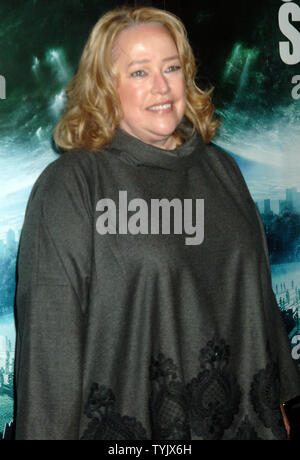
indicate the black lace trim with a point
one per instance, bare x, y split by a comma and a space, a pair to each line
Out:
168, 401
265, 398
106, 423
246, 432
206, 406
214, 395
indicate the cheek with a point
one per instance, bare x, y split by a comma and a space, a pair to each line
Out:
131, 97
181, 95
181, 87
178, 89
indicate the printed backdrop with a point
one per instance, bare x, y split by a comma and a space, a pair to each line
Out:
250, 53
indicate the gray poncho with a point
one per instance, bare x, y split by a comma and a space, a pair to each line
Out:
130, 330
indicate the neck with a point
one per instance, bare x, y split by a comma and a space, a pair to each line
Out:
171, 143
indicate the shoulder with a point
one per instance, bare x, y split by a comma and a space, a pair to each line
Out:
70, 177
67, 167
216, 153
72, 169
226, 165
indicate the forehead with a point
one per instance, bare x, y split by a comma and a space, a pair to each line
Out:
144, 40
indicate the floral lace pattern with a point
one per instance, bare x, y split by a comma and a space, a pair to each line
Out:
106, 423
264, 396
168, 401
203, 408
214, 395
246, 432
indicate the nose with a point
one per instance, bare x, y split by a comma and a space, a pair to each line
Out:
160, 83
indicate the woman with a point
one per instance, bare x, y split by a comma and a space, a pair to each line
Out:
144, 302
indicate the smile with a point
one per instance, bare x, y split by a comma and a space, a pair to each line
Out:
167, 106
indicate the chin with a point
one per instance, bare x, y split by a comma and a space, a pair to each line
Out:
161, 136
165, 130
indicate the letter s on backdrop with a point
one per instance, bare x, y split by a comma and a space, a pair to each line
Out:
289, 50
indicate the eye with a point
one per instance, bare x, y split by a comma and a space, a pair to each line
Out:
138, 73
173, 68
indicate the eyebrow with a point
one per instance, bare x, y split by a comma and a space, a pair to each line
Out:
144, 61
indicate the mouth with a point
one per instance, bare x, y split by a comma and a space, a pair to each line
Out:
164, 107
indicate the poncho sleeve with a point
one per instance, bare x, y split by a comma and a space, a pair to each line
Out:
52, 292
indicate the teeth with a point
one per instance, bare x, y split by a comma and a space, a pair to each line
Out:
160, 107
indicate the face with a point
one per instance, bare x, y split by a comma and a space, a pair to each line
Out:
151, 84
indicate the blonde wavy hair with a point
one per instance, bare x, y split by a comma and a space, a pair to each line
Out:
93, 109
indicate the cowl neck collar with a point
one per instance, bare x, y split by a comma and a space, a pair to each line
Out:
135, 151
